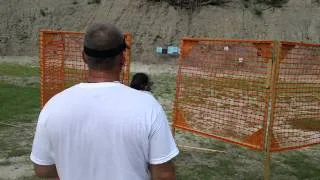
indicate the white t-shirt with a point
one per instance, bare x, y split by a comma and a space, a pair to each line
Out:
102, 131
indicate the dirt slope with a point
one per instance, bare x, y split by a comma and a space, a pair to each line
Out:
152, 23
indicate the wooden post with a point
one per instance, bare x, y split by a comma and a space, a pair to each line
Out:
63, 59
175, 114
271, 110
201, 149
41, 64
126, 69
7, 124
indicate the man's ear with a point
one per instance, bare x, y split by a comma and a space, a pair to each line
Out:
84, 57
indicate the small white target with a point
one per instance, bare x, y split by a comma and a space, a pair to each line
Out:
226, 48
240, 60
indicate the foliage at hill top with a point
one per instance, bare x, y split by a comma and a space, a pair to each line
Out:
192, 4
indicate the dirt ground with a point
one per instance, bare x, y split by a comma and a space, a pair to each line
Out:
17, 138
237, 161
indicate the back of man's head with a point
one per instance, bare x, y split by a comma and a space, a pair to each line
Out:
103, 43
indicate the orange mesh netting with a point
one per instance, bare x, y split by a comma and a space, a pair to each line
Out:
226, 89
222, 89
297, 107
61, 63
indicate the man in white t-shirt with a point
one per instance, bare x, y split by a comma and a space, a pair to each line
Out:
102, 129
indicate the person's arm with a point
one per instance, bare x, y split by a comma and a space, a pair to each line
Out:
162, 149
49, 171
163, 171
41, 155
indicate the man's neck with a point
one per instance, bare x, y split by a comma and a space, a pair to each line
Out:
102, 76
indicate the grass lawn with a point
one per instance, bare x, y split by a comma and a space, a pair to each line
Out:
19, 105
8, 69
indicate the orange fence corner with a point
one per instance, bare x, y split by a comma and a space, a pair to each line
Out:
61, 63
234, 90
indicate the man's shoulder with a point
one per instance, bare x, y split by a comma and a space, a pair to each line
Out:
61, 95
142, 98
143, 95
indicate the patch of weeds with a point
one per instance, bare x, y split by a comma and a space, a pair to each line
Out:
5, 162
257, 11
317, 2
213, 144
274, 3
16, 152
164, 86
17, 102
11, 148
198, 172
94, 2
10, 69
194, 4
29, 178
296, 163
44, 12
246, 4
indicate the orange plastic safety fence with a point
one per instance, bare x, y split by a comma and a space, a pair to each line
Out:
297, 107
61, 63
236, 90
223, 89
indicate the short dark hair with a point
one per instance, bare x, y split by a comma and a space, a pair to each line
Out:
101, 63
141, 81
102, 36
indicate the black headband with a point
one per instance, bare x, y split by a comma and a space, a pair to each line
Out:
106, 53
